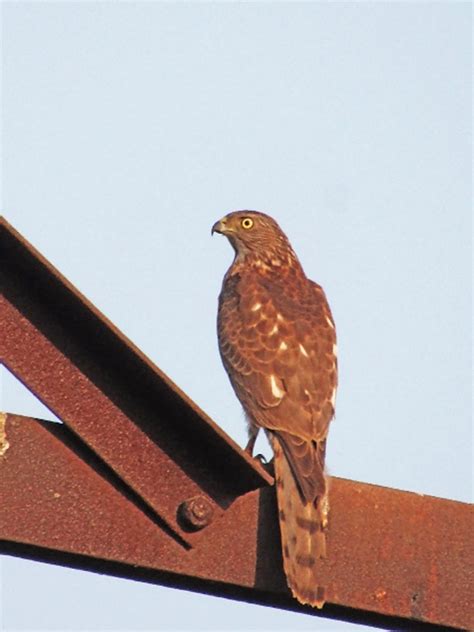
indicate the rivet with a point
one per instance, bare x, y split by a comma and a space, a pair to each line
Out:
195, 513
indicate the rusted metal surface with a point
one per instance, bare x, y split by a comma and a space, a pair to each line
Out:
96, 381
141, 483
55, 493
390, 553
196, 513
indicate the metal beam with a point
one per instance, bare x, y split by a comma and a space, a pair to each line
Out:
111, 395
140, 482
390, 553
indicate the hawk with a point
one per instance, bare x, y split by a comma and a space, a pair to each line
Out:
277, 341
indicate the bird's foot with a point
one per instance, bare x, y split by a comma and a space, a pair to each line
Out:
267, 465
261, 459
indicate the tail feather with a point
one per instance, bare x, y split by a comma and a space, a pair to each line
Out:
302, 526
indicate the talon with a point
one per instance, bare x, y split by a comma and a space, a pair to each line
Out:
267, 465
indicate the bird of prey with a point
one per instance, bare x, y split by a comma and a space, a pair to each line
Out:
277, 341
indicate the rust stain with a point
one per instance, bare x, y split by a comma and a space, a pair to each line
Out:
4, 445
380, 593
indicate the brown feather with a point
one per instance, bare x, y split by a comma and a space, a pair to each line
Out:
278, 344
306, 460
302, 529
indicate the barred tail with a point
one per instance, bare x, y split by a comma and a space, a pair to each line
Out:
302, 526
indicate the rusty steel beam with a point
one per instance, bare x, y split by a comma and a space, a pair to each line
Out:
110, 394
154, 469
396, 560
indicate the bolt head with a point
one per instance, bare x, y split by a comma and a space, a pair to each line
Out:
195, 513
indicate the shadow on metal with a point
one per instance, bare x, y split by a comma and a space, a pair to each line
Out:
252, 596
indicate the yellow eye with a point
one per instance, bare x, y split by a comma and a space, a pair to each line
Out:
246, 223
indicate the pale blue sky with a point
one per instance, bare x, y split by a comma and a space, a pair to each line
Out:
129, 128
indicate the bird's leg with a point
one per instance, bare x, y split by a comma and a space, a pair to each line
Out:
253, 433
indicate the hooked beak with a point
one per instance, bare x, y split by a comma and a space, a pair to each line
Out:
219, 227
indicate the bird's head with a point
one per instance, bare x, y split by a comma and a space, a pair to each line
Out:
256, 237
